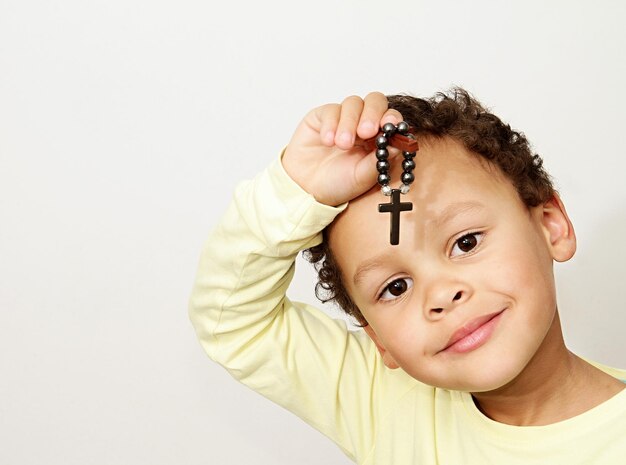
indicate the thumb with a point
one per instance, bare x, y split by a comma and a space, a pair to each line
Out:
365, 174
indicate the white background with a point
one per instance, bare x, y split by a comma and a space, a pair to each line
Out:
125, 125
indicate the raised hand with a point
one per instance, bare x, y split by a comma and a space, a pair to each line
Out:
326, 156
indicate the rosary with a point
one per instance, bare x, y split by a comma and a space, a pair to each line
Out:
399, 137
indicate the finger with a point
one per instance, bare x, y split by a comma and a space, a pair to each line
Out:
328, 116
391, 116
351, 109
365, 173
375, 106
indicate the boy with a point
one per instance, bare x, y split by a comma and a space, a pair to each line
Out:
461, 358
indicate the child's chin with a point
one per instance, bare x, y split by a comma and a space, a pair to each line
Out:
483, 380
494, 380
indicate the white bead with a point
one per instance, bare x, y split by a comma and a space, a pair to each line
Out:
404, 188
386, 190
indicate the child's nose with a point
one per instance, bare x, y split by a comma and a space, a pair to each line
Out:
444, 299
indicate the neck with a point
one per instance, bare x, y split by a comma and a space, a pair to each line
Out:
554, 386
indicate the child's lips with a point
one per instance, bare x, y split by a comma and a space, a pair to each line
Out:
473, 333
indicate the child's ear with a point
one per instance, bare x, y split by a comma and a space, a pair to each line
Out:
558, 229
389, 361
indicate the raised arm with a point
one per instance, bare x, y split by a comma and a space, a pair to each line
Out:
291, 353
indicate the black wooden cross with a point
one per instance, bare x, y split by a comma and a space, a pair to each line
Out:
395, 207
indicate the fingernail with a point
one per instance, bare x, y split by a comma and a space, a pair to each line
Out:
346, 138
329, 137
367, 126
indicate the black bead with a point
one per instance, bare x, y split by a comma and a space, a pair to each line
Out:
407, 178
382, 166
403, 127
382, 154
383, 179
408, 155
408, 165
411, 136
382, 142
389, 129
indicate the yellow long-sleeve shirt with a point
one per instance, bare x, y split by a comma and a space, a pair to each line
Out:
333, 378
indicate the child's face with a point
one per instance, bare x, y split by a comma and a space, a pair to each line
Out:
417, 294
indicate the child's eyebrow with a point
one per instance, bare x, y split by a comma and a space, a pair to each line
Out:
367, 266
455, 209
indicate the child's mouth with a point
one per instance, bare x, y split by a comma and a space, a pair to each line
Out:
473, 334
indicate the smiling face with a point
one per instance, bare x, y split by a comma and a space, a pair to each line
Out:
469, 250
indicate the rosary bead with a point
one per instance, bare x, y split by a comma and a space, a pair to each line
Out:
408, 155
389, 129
407, 177
382, 154
403, 127
383, 179
404, 188
382, 166
408, 165
386, 189
382, 142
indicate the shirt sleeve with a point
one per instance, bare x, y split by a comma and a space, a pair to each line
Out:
291, 353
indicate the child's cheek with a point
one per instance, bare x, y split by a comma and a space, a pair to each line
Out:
525, 278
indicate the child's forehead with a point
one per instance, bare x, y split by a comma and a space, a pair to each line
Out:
449, 179
447, 172
440, 156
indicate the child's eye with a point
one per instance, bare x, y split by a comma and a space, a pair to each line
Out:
396, 288
466, 244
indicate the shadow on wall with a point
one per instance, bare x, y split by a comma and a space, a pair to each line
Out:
590, 292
